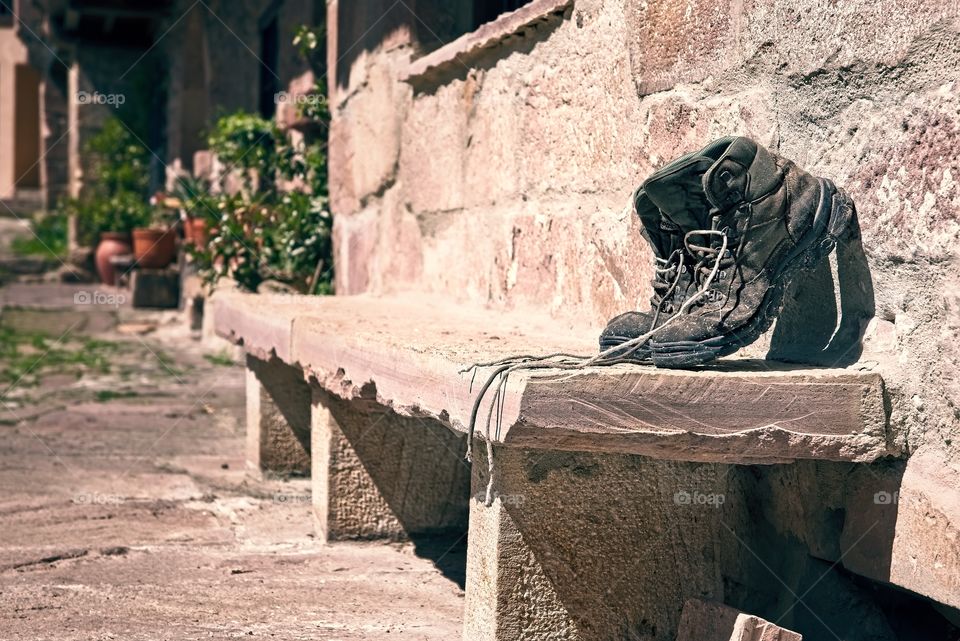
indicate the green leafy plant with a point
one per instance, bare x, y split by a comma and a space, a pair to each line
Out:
251, 144
48, 240
315, 106
115, 195
197, 199
278, 225
310, 41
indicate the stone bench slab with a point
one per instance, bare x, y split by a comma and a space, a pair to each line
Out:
412, 350
263, 324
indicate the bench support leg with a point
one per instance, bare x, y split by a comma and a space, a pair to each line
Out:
380, 475
583, 546
278, 418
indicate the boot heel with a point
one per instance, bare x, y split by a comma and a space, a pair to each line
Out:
840, 227
843, 215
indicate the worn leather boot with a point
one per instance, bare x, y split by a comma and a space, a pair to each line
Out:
669, 198
751, 222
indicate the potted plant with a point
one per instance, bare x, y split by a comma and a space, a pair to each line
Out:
199, 207
113, 200
155, 246
112, 244
276, 225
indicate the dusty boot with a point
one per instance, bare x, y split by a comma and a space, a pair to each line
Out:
765, 220
658, 201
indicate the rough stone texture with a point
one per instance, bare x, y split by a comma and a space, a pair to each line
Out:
126, 513
560, 556
599, 546
155, 288
278, 418
706, 621
512, 173
378, 475
922, 554
775, 532
374, 353
735, 417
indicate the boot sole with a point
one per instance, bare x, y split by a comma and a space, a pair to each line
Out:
640, 355
832, 222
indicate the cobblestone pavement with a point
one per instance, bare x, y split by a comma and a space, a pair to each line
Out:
126, 513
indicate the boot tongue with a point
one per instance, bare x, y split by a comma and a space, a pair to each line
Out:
677, 190
658, 235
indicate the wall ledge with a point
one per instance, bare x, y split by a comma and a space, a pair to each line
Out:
465, 49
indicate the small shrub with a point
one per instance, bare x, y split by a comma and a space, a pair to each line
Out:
48, 240
115, 196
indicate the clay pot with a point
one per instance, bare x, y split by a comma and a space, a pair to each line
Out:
195, 231
111, 244
154, 248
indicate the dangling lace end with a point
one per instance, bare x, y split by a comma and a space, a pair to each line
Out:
488, 499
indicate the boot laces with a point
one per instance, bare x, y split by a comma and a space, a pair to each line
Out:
667, 273
712, 250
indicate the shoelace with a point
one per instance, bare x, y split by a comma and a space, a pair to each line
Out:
667, 274
561, 361
711, 258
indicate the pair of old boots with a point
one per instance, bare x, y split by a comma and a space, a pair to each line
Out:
730, 226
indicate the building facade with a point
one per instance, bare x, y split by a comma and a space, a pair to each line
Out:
168, 69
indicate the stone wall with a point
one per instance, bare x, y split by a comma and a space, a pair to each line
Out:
214, 53
503, 178
506, 179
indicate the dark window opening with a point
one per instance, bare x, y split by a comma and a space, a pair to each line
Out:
269, 58
6, 13
486, 10
26, 114
440, 22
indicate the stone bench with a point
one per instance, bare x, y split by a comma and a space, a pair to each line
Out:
619, 493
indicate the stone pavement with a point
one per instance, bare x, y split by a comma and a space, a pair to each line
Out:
126, 512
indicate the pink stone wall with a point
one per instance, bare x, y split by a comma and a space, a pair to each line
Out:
507, 181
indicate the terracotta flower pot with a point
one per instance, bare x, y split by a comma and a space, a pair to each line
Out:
111, 244
154, 248
195, 231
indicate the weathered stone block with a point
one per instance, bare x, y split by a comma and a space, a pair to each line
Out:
907, 530
591, 547
706, 621
155, 288
262, 323
378, 475
355, 248
278, 418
